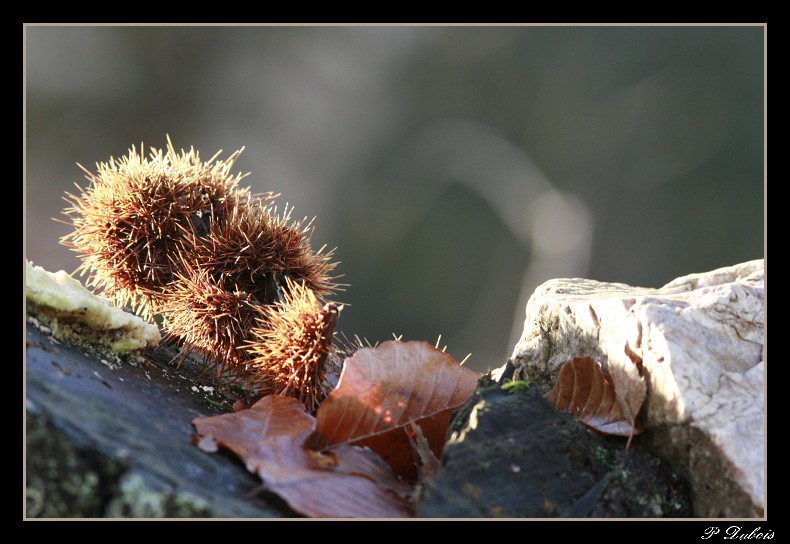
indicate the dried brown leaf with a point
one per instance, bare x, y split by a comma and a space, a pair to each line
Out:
344, 481
630, 386
383, 391
589, 394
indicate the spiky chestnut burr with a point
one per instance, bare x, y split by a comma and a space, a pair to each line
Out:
137, 214
209, 319
254, 250
234, 281
290, 347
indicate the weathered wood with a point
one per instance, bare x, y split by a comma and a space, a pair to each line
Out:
511, 454
112, 438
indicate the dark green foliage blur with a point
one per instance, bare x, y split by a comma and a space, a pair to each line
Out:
454, 169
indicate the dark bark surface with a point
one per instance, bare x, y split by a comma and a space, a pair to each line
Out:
511, 454
113, 439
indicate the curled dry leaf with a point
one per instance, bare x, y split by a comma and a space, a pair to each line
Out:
383, 391
346, 481
630, 386
589, 394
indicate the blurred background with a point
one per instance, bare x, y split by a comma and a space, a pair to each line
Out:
453, 168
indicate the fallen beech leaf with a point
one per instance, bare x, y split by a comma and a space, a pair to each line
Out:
630, 386
345, 481
589, 394
385, 389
